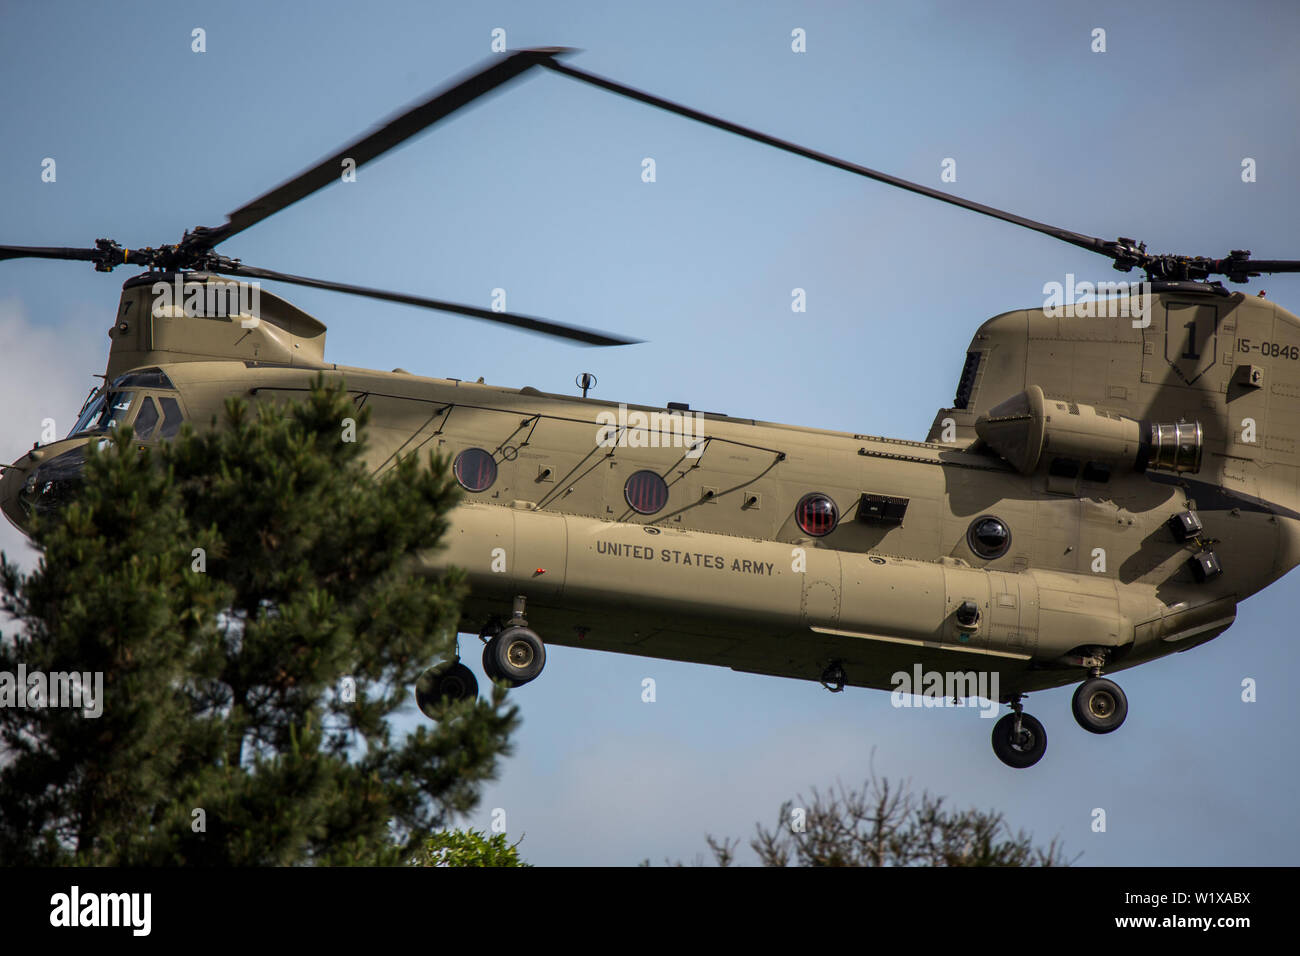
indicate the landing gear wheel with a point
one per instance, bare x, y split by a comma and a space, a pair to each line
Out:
1099, 705
442, 683
489, 669
516, 656
1023, 749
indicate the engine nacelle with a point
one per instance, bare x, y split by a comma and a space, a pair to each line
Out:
1029, 431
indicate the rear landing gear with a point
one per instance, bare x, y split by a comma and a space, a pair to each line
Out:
1019, 740
1099, 705
515, 654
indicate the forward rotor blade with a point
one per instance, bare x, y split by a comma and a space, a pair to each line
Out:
526, 322
48, 252
390, 134
1270, 265
1065, 235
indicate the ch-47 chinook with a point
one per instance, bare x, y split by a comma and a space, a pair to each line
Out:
1155, 430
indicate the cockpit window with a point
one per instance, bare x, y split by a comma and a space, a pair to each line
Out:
144, 378
159, 417
115, 408
172, 418
88, 415
146, 419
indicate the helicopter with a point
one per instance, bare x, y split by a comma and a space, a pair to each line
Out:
1113, 476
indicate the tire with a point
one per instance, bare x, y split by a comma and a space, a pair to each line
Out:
516, 656
489, 669
444, 683
1026, 751
1099, 705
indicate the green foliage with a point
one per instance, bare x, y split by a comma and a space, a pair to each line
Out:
468, 848
884, 824
223, 688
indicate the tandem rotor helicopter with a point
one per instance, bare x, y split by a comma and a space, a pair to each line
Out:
1161, 434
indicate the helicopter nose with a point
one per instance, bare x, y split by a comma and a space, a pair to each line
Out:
41, 480
11, 484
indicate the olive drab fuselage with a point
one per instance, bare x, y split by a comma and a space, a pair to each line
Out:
1035, 531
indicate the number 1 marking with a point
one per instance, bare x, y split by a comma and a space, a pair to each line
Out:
1191, 352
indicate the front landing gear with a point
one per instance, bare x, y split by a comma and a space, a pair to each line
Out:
444, 682
1099, 705
515, 654
1019, 740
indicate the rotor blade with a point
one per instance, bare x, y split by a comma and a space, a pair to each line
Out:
48, 252
1074, 238
1268, 265
527, 322
390, 134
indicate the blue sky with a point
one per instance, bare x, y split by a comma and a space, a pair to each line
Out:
538, 191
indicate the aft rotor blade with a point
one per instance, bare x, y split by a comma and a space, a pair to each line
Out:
392, 133
527, 322
1074, 238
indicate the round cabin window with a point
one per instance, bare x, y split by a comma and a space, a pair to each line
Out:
475, 469
646, 492
816, 514
988, 537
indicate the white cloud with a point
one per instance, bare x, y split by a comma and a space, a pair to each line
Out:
46, 371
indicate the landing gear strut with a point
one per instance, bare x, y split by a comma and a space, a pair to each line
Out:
1019, 740
515, 654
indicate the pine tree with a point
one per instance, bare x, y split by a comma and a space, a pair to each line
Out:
248, 595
